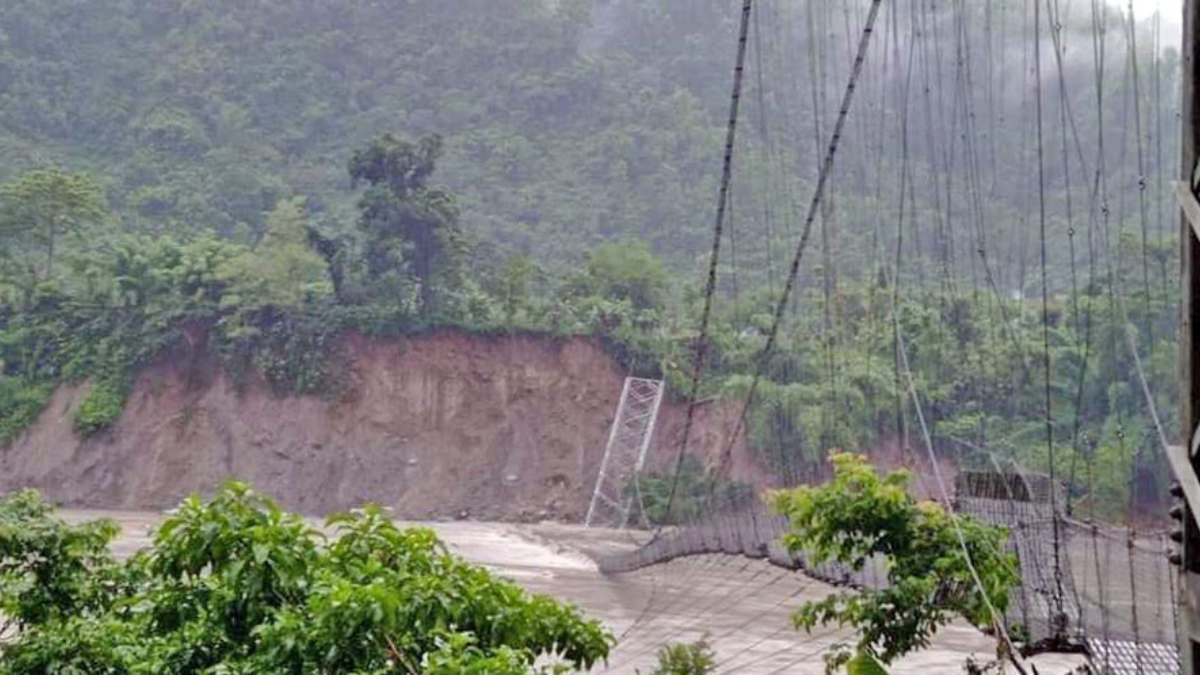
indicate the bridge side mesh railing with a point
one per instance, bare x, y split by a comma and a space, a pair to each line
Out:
1115, 599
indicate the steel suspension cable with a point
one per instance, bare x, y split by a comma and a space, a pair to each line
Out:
941, 220
764, 132
997, 618
814, 206
1141, 169
816, 65
1037, 60
1158, 146
793, 272
701, 350
1116, 323
1086, 318
901, 426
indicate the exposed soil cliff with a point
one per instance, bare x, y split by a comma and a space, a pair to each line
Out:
438, 425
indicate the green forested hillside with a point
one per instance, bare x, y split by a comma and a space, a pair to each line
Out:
567, 122
202, 115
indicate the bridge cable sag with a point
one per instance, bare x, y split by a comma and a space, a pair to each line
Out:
701, 347
814, 206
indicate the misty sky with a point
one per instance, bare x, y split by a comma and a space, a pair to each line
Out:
1172, 12
1146, 7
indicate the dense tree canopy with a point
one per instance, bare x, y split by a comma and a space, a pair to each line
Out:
235, 585
566, 123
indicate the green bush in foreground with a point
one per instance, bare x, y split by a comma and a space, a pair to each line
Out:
235, 585
859, 515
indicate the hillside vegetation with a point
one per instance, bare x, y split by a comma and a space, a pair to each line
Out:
201, 116
275, 175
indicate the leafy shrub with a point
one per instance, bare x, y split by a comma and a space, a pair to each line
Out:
49, 570
294, 351
20, 404
859, 515
624, 271
102, 406
236, 585
694, 658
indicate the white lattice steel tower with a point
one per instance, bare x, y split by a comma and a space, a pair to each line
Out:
628, 440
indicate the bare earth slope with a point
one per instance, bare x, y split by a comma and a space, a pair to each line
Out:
439, 425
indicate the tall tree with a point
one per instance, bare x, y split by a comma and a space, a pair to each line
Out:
283, 270
41, 209
410, 225
625, 270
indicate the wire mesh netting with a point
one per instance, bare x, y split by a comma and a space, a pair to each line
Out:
1104, 590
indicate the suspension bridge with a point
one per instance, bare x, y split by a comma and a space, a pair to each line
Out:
1016, 159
